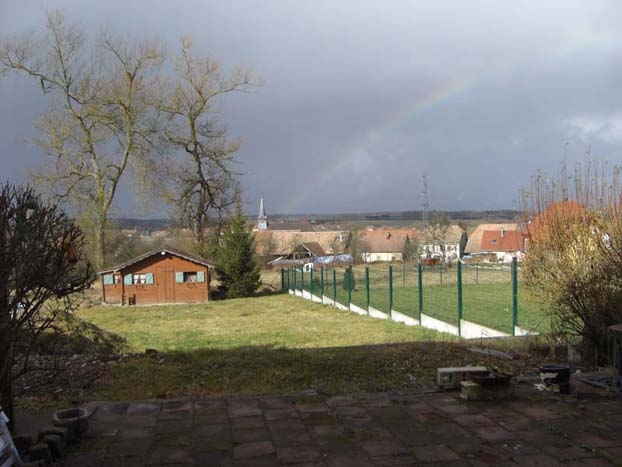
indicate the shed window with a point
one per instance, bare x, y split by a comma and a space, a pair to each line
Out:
189, 277
140, 278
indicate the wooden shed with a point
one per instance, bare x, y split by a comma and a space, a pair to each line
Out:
159, 276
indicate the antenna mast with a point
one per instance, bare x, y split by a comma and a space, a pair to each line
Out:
426, 202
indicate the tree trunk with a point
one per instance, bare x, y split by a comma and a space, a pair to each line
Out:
100, 243
6, 384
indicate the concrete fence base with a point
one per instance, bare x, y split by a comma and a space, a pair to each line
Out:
468, 329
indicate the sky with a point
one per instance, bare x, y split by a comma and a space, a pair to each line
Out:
360, 99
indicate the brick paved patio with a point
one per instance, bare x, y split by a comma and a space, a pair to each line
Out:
365, 430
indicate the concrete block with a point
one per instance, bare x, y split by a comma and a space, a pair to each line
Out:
40, 451
451, 377
62, 432
472, 391
55, 444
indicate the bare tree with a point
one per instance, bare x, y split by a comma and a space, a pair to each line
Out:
100, 120
573, 261
41, 265
205, 188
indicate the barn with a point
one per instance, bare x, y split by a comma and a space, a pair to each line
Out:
159, 276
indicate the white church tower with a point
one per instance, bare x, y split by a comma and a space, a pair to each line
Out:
262, 219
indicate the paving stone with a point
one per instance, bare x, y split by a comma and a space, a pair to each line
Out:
473, 420
592, 462
217, 431
339, 401
143, 409
276, 403
435, 453
172, 440
383, 448
145, 420
244, 408
173, 426
254, 449
247, 435
169, 455
291, 455
129, 448
351, 411
538, 460
516, 423
318, 418
402, 460
596, 441
211, 418
213, 458
493, 433
347, 459
132, 432
255, 421
280, 414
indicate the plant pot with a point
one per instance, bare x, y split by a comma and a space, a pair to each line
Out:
556, 374
76, 421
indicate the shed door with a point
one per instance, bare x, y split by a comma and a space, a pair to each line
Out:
165, 285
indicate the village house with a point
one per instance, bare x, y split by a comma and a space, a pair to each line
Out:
159, 276
384, 244
300, 241
442, 243
497, 242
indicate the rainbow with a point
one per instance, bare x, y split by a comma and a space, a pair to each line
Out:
357, 151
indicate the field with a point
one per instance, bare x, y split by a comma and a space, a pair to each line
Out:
266, 345
486, 294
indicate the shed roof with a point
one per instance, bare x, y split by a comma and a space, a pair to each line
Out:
314, 248
159, 251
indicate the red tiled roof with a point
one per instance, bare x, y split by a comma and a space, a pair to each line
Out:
498, 240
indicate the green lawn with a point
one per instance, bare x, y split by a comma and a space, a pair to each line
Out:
265, 345
485, 302
278, 321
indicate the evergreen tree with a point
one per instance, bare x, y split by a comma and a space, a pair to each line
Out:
409, 252
236, 260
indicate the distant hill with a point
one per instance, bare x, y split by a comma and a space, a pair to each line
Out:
387, 217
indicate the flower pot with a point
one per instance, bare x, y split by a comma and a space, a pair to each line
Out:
556, 374
76, 421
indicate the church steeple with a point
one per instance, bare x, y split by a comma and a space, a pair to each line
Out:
262, 219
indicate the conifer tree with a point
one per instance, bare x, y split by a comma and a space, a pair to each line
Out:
236, 259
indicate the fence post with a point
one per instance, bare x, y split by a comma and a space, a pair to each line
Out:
514, 294
459, 283
302, 282
420, 284
311, 286
367, 286
295, 281
476, 273
322, 284
440, 272
334, 286
282, 279
390, 290
349, 285
404, 274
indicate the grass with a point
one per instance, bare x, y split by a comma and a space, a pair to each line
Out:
486, 298
277, 321
265, 345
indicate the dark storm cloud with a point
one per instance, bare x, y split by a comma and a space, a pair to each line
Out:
362, 98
